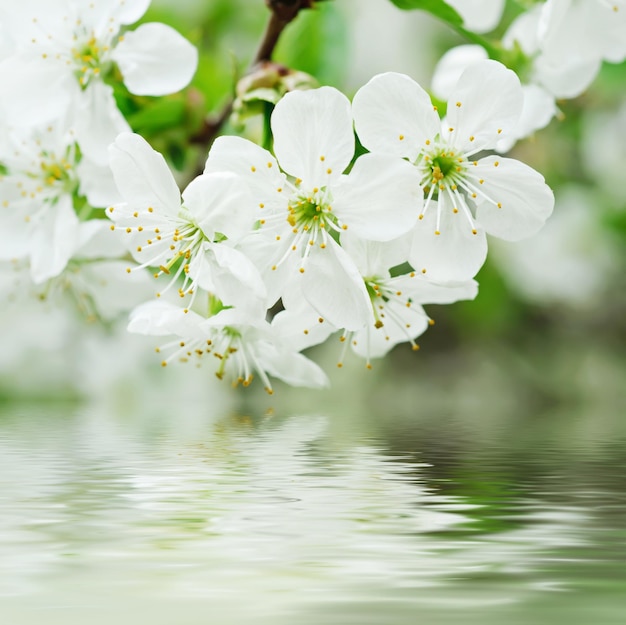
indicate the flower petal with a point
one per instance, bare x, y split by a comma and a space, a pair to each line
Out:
375, 258
255, 165
526, 200
160, 318
334, 287
220, 203
129, 11
98, 121
142, 175
293, 368
408, 323
313, 136
451, 65
298, 325
479, 16
24, 82
54, 240
486, 101
380, 199
229, 274
454, 255
394, 115
539, 108
422, 290
155, 60
97, 183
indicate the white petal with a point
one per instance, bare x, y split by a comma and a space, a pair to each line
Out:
313, 135
479, 16
24, 82
129, 11
255, 165
566, 80
293, 368
486, 101
55, 239
111, 289
454, 255
97, 184
451, 65
265, 251
373, 342
160, 318
95, 240
142, 175
14, 230
394, 115
539, 108
298, 325
524, 30
220, 202
526, 200
98, 121
332, 284
155, 60
229, 274
381, 197
421, 290
375, 258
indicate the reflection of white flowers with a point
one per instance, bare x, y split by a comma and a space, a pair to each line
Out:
464, 198
64, 49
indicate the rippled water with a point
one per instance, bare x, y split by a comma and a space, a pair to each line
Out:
185, 519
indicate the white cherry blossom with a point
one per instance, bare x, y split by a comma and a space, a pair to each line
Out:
65, 48
465, 198
567, 40
240, 345
395, 315
192, 238
305, 208
539, 105
38, 191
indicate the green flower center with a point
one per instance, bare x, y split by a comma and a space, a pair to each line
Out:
311, 212
89, 60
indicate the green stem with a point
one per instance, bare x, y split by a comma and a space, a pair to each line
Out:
493, 50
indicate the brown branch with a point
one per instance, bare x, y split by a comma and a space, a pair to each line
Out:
282, 13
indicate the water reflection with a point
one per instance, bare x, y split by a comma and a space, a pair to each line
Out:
268, 518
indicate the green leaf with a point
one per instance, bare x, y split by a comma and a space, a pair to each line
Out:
159, 114
437, 7
314, 42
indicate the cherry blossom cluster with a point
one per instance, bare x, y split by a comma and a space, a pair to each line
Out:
557, 48
352, 247
267, 252
58, 59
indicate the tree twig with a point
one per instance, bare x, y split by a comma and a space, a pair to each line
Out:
282, 13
